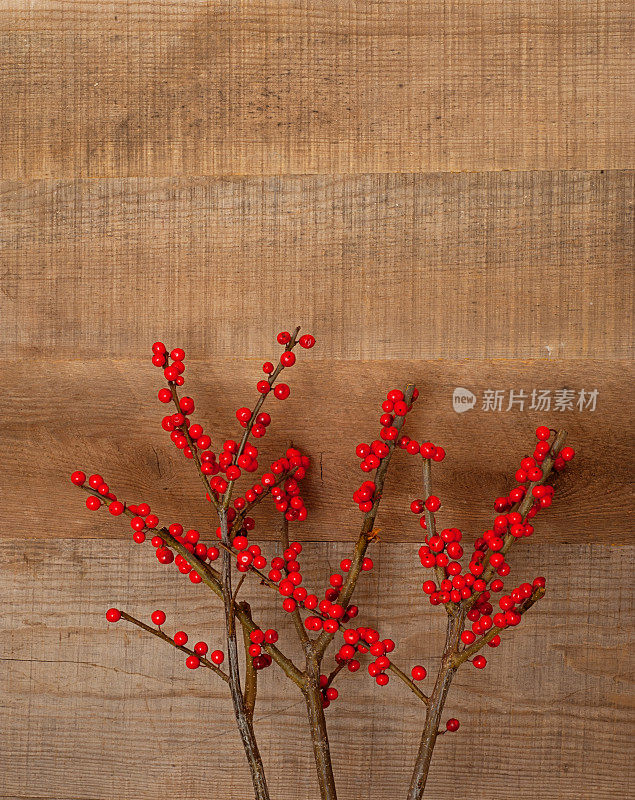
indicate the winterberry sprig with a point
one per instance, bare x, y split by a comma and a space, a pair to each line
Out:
195, 657
469, 593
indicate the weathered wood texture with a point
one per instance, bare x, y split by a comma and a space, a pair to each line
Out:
93, 88
379, 266
104, 417
206, 173
113, 712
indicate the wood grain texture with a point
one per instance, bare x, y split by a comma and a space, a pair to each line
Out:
126, 89
98, 712
525, 265
104, 416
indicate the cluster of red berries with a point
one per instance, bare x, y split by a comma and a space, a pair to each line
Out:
366, 640
281, 391
530, 471
371, 455
426, 449
480, 615
444, 550
286, 573
419, 506
180, 639
259, 638
99, 485
172, 372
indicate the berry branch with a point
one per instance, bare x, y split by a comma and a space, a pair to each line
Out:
195, 657
464, 591
430, 505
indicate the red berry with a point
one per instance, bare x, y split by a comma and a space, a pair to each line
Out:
418, 673
307, 341
180, 638
192, 662
433, 503
78, 478
116, 508
93, 503
282, 391
186, 404
567, 453
158, 348
543, 433
382, 679
217, 657
200, 648
479, 662
113, 615
452, 725
287, 359
158, 617
165, 395
284, 337
439, 454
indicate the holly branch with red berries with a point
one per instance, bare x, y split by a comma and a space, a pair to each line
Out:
227, 556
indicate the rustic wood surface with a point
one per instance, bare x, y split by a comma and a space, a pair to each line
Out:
489, 265
113, 712
313, 86
108, 421
440, 191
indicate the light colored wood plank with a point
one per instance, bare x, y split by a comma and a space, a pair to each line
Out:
120, 89
98, 712
104, 416
380, 266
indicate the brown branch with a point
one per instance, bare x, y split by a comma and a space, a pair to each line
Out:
431, 525
366, 535
159, 633
245, 726
303, 636
523, 508
318, 730
212, 579
409, 683
243, 442
251, 673
193, 447
435, 708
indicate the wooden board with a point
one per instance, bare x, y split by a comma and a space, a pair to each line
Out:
531, 265
113, 713
440, 192
95, 89
104, 416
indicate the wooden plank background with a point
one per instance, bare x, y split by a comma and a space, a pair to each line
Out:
441, 191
